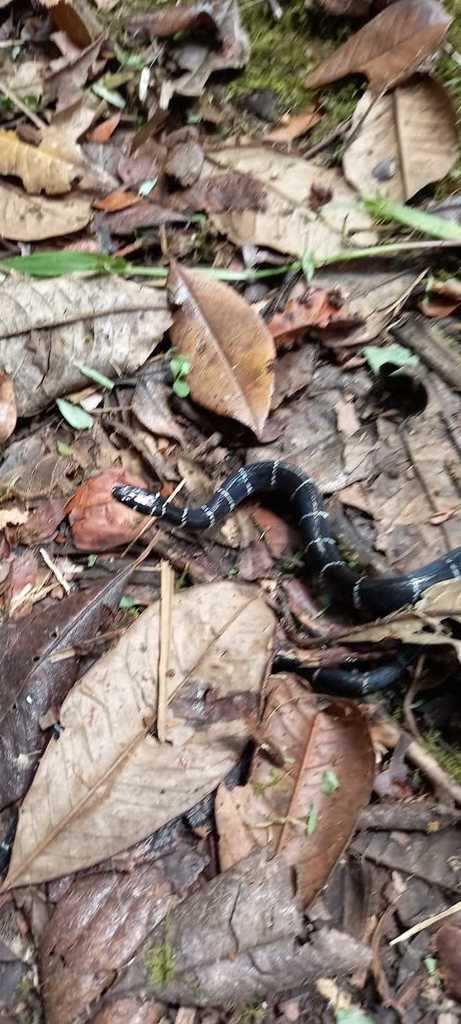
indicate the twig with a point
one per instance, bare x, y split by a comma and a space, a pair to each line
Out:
166, 607
427, 764
56, 572
426, 923
17, 102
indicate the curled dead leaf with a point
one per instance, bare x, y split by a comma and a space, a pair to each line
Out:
98, 523
407, 140
228, 346
389, 47
26, 218
306, 788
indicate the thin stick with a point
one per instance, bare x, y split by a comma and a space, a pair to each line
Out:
426, 923
166, 607
17, 102
56, 572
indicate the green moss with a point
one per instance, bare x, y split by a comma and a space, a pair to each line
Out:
160, 961
448, 71
283, 52
446, 755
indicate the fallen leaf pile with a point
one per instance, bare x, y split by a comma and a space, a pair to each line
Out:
228, 234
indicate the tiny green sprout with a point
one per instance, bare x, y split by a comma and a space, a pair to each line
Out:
180, 367
311, 821
91, 561
308, 265
233, 571
329, 782
431, 966
63, 449
127, 603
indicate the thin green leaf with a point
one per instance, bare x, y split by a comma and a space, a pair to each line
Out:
91, 560
99, 378
180, 366
109, 95
419, 220
127, 602
308, 265
353, 1016
146, 186
397, 355
77, 417
54, 264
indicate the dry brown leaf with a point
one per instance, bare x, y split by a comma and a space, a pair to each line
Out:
288, 223
102, 322
26, 218
117, 783
228, 345
314, 310
389, 47
303, 805
38, 168
8, 412
77, 19
441, 601
297, 125
407, 140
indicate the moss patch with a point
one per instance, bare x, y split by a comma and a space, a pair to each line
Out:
447, 756
283, 52
448, 71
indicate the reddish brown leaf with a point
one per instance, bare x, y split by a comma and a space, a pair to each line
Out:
77, 20
119, 200
104, 131
317, 310
43, 523
297, 125
228, 345
8, 414
167, 22
98, 522
31, 682
305, 793
390, 47
141, 215
449, 953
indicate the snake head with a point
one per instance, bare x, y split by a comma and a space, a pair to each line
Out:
148, 502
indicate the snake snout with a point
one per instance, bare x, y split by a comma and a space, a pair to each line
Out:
135, 497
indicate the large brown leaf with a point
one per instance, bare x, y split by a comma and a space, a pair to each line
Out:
303, 805
26, 218
31, 682
100, 923
106, 782
241, 939
100, 322
389, 47
407, 140
291, 220
228, 345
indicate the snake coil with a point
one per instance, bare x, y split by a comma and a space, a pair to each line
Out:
369, 596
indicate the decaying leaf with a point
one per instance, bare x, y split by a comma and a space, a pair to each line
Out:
229, 348
316, 309
407, 140
297, 125
241, 939
304, 803
291, 221
35, 165
26, 218
8, 413
100, 923
102, 322
117, 783
389, 47
31, 682
94, 518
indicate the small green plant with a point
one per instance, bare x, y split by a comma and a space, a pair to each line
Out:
180, 367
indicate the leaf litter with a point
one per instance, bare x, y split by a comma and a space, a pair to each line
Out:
359, 390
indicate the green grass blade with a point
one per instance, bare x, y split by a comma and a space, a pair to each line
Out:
419, 220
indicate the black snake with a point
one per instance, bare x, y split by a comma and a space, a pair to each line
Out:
369, 596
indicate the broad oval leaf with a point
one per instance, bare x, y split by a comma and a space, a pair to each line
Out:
229, 348
405, 140
106, 782
390, 47
305, 807
25, 218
